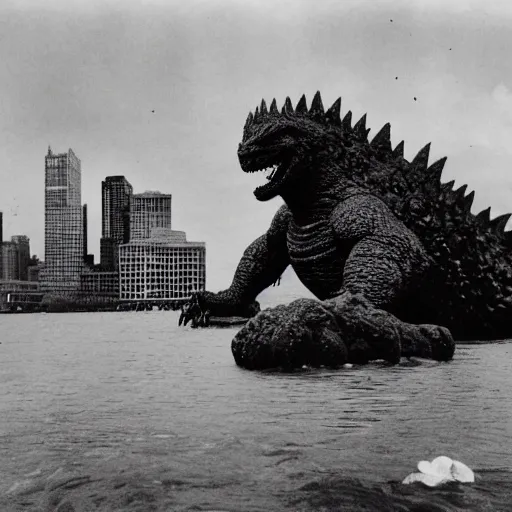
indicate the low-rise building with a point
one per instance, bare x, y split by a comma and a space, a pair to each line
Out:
14, 292
33, 271
163, 267
99, 284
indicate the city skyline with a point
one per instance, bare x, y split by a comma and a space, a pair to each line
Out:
160, 94
162, 219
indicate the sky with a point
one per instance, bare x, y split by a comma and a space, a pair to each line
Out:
159, 91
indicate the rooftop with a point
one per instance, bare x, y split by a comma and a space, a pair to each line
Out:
152, 193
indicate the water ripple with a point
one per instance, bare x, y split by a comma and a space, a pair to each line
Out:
161, 415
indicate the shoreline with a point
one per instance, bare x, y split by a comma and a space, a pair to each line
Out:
214, 321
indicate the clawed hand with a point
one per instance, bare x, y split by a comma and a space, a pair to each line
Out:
195, 311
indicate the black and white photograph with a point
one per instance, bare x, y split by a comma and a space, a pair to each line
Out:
255, 256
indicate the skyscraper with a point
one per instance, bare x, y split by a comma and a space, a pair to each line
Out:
116, 199
84, 220
23, 254
150, 210
10, 269
1, 240
63, 223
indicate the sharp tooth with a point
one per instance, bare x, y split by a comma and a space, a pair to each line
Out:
269, 171
274, 170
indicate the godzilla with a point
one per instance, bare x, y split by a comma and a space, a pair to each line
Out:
398, 263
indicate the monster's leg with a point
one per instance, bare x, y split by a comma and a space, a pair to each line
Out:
379, 270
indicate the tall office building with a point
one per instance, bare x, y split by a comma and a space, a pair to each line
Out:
22, 243
84, 221
150, 210
1, 241
63, 224
116, 199
10, 269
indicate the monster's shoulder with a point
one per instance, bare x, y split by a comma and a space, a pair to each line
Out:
280, 222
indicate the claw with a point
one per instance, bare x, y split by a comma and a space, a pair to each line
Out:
195, 311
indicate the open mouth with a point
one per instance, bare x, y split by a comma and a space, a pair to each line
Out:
274, 176
270, 172
274, 172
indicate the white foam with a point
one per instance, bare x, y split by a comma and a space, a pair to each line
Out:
441, 470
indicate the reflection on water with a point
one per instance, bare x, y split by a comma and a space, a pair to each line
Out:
124, 411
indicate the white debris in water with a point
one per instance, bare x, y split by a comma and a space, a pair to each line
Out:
439, 471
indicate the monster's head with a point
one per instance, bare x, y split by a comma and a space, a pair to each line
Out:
286, 143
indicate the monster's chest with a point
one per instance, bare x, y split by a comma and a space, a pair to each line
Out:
316, 257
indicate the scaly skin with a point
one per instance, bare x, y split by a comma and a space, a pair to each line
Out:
395, 258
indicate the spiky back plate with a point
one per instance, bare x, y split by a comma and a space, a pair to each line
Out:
470, 285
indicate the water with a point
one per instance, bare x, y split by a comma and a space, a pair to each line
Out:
126, 411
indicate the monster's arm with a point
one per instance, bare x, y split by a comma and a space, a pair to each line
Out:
262, 264
384, 258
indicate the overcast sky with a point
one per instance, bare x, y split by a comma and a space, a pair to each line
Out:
159, 91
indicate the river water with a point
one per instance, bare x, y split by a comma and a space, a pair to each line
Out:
126, 411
